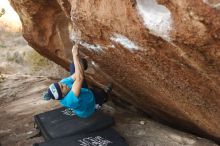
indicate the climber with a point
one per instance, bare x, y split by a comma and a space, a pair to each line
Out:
73, 92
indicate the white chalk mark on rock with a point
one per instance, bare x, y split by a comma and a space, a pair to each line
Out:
124, 41
95, 48
74, 37
157, 18
94, 64
212, 4
111, 46
92, 47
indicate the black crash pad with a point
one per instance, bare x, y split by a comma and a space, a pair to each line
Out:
107, 137
56, 123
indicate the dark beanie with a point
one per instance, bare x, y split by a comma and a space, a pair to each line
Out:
54, 91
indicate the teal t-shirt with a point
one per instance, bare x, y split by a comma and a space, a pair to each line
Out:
84, 105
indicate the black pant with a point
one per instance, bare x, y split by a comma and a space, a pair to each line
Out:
100, 95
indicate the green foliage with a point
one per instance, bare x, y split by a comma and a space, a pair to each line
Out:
15, 57
2, 12
2, 78
2, 46
36, 61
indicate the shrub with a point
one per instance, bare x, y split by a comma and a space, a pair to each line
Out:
15, 57
2, 12
36, 61
2, 46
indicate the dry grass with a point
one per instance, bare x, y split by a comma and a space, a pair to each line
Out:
36, 61
15, 53
2, 12
17, 56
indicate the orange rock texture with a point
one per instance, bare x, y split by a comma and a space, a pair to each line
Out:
162, 56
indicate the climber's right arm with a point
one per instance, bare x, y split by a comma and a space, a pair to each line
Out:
78, 76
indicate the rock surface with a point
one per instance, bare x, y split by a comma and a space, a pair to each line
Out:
162, 56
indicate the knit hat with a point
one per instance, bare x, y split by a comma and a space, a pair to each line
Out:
54, 92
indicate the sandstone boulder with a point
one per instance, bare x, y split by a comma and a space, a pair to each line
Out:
162, 56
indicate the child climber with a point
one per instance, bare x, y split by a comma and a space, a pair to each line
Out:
73, 92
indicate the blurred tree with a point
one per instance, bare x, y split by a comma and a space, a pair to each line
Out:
2, 12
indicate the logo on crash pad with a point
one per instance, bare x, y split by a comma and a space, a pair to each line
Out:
94, 141
68, 112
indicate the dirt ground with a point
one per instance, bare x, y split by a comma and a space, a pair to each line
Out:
20, 100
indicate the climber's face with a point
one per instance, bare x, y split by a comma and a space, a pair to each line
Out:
64, 89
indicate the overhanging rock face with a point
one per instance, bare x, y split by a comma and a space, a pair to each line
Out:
162, 56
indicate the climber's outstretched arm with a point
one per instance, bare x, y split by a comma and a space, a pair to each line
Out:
78, 76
